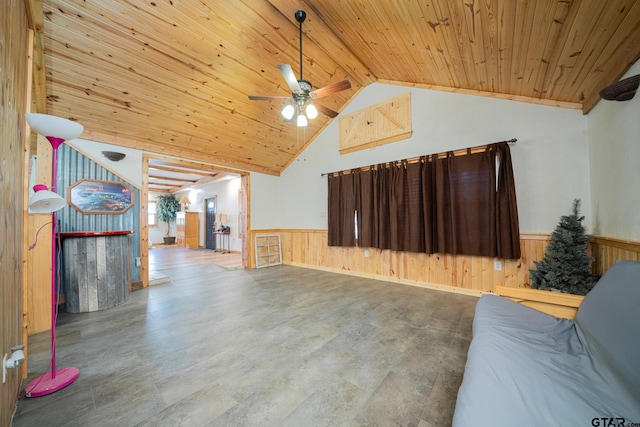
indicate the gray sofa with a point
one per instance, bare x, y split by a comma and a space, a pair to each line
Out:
527, 368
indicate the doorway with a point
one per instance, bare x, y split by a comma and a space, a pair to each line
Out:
159, 176
210, 222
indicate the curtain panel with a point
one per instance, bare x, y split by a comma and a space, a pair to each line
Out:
438, 204
342, 208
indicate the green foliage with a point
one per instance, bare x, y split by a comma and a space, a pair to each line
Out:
168, 207
566, 266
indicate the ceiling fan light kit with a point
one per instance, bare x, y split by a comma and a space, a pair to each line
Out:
300, 104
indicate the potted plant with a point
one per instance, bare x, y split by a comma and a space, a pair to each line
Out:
168, 207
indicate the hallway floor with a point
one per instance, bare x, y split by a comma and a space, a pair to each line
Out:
278, 346
170, 257
166, 257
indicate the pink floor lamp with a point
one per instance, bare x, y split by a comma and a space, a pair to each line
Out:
57, 130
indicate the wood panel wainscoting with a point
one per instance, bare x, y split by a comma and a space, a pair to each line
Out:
607, 251
465, 274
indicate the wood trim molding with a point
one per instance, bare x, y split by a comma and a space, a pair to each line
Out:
627, 245
426, 285
519, 98
535, 236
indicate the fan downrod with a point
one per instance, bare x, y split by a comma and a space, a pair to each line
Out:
300, 17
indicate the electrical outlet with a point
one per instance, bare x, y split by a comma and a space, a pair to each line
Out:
497, 265
137, 262
366, 253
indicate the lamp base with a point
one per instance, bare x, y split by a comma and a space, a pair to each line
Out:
46, 384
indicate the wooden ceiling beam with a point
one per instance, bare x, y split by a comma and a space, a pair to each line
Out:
191, 171
173, 179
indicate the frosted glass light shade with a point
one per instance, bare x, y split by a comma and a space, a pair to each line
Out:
302, 121
312, 111
288, 111
47, 125
45, 201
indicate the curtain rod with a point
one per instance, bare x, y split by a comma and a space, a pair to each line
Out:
455, 152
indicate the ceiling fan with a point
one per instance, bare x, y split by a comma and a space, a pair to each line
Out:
300, 103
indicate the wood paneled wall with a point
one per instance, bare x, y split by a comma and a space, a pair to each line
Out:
465, 274
607, 251
15, 75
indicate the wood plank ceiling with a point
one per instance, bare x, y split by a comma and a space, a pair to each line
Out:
173, 76
167, 177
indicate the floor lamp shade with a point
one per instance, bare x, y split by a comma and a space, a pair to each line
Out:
57, 130
52, 126
45, 201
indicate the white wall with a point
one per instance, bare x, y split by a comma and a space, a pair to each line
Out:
226, 192
614, 141
129, 168
550, 160
265, 201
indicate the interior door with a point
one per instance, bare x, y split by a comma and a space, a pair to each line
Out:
210, 223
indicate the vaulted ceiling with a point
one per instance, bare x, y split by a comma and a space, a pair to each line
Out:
173, 76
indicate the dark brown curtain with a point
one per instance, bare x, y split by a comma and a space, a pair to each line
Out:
447, 204
507, 229
367, 207
429, 203
465, 191
406, 217
341, 211
384, 206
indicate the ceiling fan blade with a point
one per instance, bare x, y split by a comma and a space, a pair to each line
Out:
332, 88
326, 111
267, 98
289, 77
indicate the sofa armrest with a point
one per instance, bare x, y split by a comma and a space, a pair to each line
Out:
554, 303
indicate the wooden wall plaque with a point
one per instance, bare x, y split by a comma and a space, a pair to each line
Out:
378, 124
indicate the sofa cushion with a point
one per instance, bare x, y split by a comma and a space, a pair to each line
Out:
609, 318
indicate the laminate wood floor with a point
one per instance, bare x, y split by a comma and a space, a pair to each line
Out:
278, 346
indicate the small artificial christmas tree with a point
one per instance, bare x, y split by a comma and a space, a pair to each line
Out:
566, 267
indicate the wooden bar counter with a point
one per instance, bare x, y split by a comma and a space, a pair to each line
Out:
95, 269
